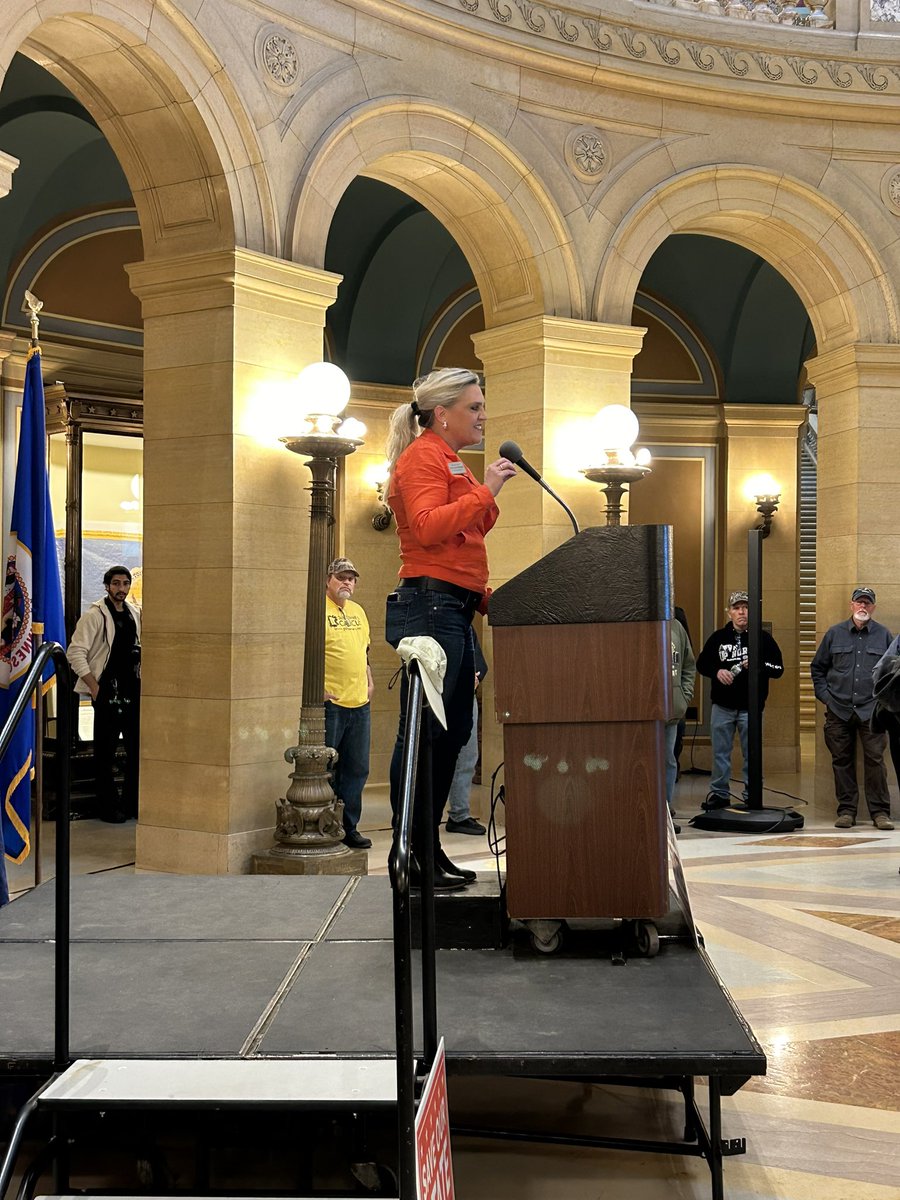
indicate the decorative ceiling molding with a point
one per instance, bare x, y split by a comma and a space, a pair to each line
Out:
757, 54
54, 242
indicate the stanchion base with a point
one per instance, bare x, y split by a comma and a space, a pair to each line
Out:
737, 818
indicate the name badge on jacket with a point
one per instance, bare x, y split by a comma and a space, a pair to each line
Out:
457, 468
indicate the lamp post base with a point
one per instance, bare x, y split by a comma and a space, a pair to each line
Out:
278, 861
738, 819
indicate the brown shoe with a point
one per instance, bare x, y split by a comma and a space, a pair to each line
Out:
882, 821
844, 821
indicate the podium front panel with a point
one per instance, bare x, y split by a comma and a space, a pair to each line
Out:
585, 827
579, 673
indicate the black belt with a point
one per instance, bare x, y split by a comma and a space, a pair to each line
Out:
425, 583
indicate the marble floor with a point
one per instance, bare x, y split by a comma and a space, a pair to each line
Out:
804, 929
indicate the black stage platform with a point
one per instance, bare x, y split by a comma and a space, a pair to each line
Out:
171, 966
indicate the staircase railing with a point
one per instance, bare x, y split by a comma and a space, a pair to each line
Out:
415, 788
33, 680
53, 650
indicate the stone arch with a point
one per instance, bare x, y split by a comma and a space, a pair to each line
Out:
169, 112
502, 218
815, 245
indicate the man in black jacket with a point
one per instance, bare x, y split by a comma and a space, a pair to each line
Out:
724, 660
842, 675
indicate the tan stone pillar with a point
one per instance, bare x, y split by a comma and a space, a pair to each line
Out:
8, 166
763, 438
225, 548
858, 537
545, 378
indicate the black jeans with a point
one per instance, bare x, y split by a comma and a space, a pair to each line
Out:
114, 715
840, 738
448, 620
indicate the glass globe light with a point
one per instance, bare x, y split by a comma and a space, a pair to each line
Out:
323, 388
617, 427
351, 428
643, 457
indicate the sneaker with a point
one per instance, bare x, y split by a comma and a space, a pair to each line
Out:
882, 821
714, 800
355, 840
845, 821
467, 825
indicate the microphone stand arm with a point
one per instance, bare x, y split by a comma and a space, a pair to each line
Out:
560, 501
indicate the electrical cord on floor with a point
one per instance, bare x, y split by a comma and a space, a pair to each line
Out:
496, 842
782, 811
692, 770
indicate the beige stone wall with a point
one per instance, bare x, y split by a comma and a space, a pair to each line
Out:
225, 543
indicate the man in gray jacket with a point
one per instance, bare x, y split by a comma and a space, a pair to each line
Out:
105, 654
842, 679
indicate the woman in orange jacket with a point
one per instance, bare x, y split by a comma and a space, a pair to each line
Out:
443, 514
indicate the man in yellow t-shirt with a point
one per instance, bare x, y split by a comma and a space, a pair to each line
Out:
348, 690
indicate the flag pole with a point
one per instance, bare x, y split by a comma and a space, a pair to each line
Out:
33, 306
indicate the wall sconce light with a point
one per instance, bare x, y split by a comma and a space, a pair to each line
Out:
766, 494
377, 478
616, 431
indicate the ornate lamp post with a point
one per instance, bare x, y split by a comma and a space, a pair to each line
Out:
309, 830
617, 430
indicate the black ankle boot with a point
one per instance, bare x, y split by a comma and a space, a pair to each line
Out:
442, 881
443, 863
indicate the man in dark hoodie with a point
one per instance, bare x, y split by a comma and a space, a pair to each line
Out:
724, 660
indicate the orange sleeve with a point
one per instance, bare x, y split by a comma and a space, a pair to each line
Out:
432, 520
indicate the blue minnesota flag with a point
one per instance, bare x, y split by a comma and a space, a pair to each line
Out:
32, 605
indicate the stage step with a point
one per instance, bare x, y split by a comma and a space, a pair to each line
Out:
471, 919
223, 1083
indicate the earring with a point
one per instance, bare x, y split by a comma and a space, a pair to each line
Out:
444, 423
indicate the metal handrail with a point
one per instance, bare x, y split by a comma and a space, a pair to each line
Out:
415, 789
54, 651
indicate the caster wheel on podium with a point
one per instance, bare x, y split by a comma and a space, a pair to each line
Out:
550, 946
646, 938
546, 936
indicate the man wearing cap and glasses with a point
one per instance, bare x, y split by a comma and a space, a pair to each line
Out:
724, 660
842, 679
348, 690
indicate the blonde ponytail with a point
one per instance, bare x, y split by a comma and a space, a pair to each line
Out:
442, 387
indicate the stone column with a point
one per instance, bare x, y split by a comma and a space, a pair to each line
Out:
763, 438
858, 540
858, 537
225, 547
8, 166
545, 378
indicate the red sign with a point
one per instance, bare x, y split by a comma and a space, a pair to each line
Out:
434, 1166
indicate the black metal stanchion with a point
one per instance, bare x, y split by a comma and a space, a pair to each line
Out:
752, 816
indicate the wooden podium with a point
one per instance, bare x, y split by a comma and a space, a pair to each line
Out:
583, 689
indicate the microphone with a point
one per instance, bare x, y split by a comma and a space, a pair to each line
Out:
513, 451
